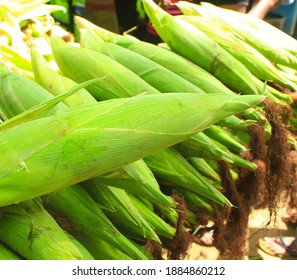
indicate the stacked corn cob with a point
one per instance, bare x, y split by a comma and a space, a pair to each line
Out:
89, 171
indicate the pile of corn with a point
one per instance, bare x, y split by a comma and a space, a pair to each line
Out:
103, 153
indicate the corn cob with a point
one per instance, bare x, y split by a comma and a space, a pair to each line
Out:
135, 177
52, 137
189, 42
201, 145
280, 38
112, 85
138, 179
225, 138
194, 202
118, 207
45, 75
205, 169
87, 222
158, 224
151, 72
170, 60
104, 251
165, 58
9, 81
256, 62
85, 253
36, 235
154, 75
80, 196
263, 42
7, 254
65, 53
170, 166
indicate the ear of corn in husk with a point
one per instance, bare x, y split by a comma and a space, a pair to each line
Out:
170, 166
225, 138
7, 254
135, 177
118, 207
148, 70
55, 83
36, 235
13, 82
262, 41
86, 221
139, 65
158, 224
78, 204
169, 60
138, 179
52, 136
194, 201
205, 169
12, 93
279, 36
200, 145
112, 85
256, 62
193, 44
165, 58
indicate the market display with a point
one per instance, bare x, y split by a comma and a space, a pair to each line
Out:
114, 148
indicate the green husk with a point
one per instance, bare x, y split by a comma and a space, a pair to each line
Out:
117, 81
200, 145
165, 58
154, 74
135, 177
194, 45
86, 222
138, 179
117, 129
171, 168
55, 83
262, 41
31, 232
86, 254
12, 92
256, 62
205, 169
225, 138
11, 104
158, 224
7, 254
118, 207
168, 59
